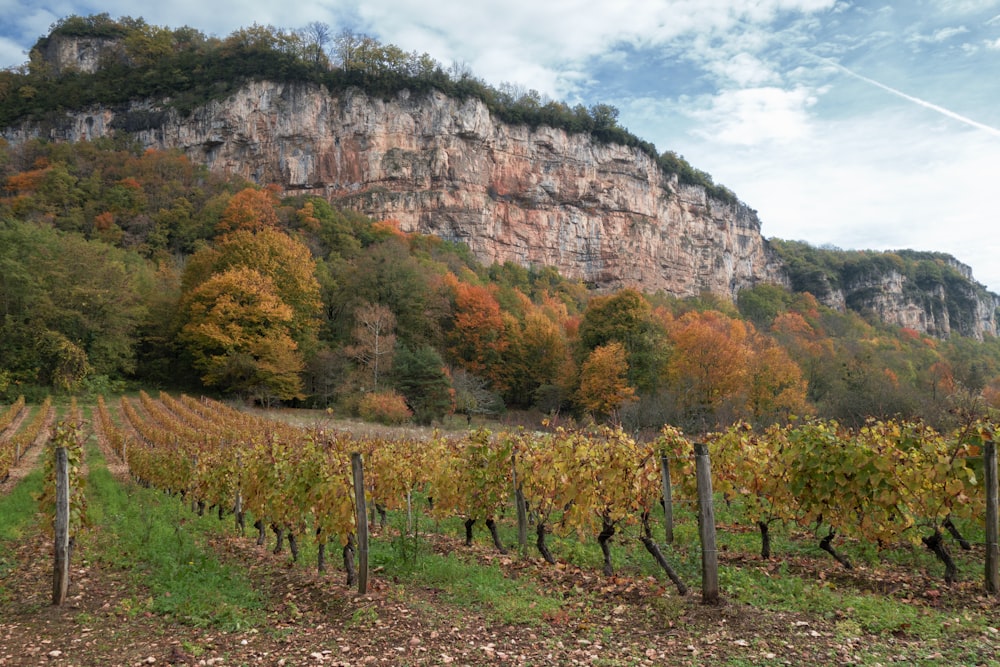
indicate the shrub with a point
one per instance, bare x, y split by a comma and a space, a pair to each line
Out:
386, 407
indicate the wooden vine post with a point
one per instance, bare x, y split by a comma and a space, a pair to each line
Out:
362, 521
522, 514
668, 500
60, 574
706, 526
990, 475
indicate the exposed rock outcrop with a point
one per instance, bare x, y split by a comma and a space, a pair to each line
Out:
938, 310
84, 54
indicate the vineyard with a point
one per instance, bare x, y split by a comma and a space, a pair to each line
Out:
886, 482
858, 495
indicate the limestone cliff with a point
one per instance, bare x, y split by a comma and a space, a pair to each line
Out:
605, 214
83, 54
926, 291
938, 311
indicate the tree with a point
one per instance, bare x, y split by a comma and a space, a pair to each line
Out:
775, 386
250, 209
374, 341
237, 331
477, 340
317, 36
538, 357
421, 377
708, 364
626, 317
386, 273
603, 384
60, 287
473, 395
284, 260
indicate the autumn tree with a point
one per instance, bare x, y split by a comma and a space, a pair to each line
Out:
374, 341
477, 341
237, 331
284, 260
250, 209
538, 358
708, 364
775, 387
603, 381
626, 317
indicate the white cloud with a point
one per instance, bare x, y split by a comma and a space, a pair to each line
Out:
752, 116
11, 52
883, 181
938, 36
965, 6
745, 70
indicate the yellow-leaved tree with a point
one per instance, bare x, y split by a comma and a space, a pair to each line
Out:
604, 386
237, 332
248, 311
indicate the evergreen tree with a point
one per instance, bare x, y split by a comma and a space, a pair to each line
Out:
421, 377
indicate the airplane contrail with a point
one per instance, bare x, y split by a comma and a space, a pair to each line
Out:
916, 100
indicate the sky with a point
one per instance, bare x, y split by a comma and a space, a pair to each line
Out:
853, 123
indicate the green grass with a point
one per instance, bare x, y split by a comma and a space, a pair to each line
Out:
17, 512
470, 584
164, 546
18, 508
858, 614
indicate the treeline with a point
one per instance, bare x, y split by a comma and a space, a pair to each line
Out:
143, 61
120, 267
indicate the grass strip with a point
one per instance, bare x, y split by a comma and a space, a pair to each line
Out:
18, 508
17, 513
462, 581
165, 547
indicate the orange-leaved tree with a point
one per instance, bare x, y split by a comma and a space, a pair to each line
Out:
477, 342
250, 209
708, 364
287, 262
604, 385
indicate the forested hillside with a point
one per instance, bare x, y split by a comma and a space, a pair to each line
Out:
125, 268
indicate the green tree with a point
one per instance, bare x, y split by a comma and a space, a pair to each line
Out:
58, 286
421, 377
386, 273
538, 358
626, 317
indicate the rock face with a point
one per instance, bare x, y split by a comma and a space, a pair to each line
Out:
85, 54
938, 310
605, 214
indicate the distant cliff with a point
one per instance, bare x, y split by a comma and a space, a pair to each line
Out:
600, 212
926, 291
